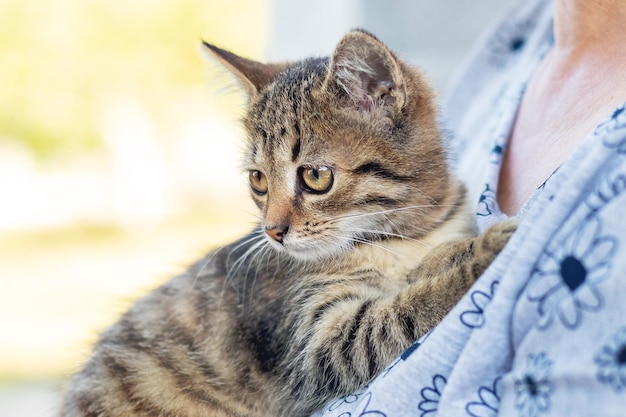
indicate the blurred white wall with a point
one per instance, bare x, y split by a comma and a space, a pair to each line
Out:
432, 34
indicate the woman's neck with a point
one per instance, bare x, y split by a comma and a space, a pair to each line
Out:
576, 86
589, 26
589, 45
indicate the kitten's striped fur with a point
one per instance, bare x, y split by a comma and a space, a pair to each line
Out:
364, 244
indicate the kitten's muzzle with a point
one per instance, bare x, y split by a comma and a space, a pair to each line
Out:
277, 233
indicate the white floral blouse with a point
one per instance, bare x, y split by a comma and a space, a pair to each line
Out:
543, 331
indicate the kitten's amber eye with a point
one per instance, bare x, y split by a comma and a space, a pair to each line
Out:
258, 182
316, 179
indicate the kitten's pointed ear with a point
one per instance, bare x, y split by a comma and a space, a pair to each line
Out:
253, 75
367, 72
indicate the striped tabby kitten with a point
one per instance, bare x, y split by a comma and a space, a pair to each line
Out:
364, 244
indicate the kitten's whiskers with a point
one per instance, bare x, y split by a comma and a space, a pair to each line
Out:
363, 240
256, 241
384, 233
382, 212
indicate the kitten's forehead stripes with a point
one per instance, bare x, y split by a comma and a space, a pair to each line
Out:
280, 124
295, 151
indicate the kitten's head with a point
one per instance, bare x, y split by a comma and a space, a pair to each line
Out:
342, 151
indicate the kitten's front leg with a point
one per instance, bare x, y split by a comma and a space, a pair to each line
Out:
447, 273
363, 330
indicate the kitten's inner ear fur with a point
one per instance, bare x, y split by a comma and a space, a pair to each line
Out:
367, 72
253, 75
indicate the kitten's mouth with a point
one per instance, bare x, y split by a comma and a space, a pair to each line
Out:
307, 249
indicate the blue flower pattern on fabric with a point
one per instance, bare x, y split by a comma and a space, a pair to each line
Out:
508, 41
611, 361
533, 388
496, 154
360, 400
606, 192
430, 396
565, 283
348, 399
489, 401
613, 131
366, 410
475, 318
487, 202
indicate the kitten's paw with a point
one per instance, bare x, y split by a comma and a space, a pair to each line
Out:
497, 236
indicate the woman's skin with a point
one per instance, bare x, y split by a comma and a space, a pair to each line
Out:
580, 83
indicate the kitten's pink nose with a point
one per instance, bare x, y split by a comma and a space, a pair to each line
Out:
276, 232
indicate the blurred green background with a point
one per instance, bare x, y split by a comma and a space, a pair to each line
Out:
118, 161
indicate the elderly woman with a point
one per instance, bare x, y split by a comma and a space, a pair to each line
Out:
539, 125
